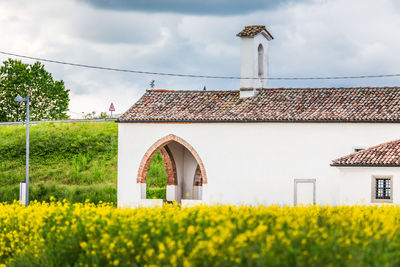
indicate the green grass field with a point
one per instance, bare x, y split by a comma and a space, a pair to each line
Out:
75, 161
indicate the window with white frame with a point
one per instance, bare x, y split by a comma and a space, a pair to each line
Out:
382, 189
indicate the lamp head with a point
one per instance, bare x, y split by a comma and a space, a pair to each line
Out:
19, 99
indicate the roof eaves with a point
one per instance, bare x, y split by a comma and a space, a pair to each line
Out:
269, 34
254, 121
364, 165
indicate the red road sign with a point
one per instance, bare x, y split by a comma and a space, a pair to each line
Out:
111, 107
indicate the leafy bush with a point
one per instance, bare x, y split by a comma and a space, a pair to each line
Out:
156, 175
61, 234
156, 193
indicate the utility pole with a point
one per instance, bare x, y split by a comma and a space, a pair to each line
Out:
27, 151
20, 99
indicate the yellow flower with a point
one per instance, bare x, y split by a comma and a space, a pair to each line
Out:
83, 245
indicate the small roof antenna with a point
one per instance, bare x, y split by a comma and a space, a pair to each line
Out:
204, 88
152, 84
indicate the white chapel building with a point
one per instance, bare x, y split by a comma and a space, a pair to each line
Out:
260, 145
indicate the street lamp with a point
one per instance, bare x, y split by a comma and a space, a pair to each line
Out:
21, 99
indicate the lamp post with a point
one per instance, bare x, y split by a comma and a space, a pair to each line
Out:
21, 99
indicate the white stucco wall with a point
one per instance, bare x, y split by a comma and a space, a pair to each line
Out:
356, 183
189, 169
254, 162
177, 152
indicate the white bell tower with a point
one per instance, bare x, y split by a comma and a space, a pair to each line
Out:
253, 59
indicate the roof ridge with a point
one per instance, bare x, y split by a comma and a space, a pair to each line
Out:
194, 90
342, 87
278, 88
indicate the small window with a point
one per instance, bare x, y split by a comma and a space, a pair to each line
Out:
382, 189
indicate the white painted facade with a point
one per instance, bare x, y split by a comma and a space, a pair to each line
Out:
258, 163
362, 178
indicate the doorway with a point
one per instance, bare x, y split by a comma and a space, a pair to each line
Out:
304, 191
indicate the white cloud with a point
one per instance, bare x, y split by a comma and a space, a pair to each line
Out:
312, 38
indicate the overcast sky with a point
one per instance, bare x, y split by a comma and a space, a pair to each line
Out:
312, 38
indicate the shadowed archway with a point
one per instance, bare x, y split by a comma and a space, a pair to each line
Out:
180, 159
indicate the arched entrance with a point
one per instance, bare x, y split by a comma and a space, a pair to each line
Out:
184, 168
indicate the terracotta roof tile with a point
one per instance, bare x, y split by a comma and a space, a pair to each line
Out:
281, 104
386, 154
253, 30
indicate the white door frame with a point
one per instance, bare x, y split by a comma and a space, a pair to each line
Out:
297, 181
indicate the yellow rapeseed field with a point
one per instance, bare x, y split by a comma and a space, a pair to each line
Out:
63, 234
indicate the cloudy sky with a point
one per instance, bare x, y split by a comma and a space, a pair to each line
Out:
312, 38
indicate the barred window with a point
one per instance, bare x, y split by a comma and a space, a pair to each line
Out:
382, 188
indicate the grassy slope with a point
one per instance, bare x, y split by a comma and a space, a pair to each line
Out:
75, 161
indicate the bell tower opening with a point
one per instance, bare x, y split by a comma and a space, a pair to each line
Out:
260, 60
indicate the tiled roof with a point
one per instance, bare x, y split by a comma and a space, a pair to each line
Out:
379, 104
387, 154
253, 30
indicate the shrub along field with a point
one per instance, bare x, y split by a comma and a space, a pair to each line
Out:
60, 234
73, 161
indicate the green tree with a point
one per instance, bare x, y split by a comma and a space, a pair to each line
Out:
49, 99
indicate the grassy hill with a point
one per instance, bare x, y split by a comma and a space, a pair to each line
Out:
75, 161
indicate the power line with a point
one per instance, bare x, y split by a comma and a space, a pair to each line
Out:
199, 76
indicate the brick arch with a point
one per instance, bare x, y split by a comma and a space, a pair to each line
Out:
169, 164
162, 143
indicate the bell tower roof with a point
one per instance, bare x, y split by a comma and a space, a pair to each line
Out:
253, 30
